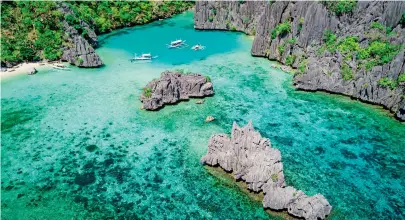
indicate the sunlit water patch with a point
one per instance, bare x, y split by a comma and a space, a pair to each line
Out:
75, 144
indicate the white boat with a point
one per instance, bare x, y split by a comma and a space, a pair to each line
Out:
177, 44
144, 56
198, 47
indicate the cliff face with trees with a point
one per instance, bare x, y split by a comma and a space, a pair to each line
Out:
34, 30
346, 47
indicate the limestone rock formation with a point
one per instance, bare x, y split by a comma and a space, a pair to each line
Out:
228, 15
251, 158
173, 87
80, 51
300, 45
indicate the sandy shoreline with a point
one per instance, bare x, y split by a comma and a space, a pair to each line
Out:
24, 68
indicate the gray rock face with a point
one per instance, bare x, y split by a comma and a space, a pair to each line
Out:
79, 52
230, 15
173, 87
308, 21
251, 158
32, 71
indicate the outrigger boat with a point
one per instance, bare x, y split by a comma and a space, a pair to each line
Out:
177, 44
144, 56
198, 47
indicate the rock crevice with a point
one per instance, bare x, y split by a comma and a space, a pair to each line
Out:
251, 158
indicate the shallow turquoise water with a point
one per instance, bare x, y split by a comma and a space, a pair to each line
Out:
75, 144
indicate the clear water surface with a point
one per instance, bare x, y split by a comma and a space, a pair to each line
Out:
75, 144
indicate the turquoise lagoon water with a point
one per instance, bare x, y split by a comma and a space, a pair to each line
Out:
75, 144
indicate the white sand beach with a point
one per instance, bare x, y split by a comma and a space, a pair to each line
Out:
24, 68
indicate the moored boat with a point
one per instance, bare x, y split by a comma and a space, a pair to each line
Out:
177, 44
144, 56
198, 47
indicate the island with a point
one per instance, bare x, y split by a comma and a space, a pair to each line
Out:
173, 87
251, 159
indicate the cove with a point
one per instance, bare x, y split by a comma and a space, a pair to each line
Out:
75, 144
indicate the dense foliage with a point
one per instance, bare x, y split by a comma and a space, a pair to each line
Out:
401, 78
147, 92
281, 29
386, 82
281, 48
110, 15
32, 30
330, 40
377, 25
290, 59
340, 7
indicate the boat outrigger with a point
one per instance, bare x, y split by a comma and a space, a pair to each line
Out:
198, 47
144, 56
177, 44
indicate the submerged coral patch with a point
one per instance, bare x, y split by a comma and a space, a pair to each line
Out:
85, 178
91, 148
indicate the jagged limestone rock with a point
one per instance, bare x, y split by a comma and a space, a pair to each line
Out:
80, 52
251, 158
309, 20
173, 87
230, 15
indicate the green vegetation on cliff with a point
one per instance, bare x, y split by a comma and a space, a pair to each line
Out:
401, 78
302, 67
346, 71
147, 92
281, 29
340, 7
387, 82
378, 51
290, 59
32, 30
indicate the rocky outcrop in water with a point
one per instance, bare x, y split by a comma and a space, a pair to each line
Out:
80, 51
299, 46
173, 87
251, 158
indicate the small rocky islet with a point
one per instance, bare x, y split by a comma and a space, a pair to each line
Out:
252, 159
173, 87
